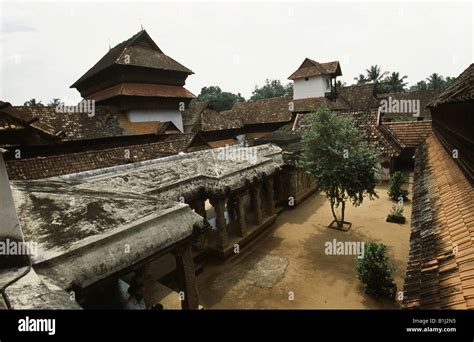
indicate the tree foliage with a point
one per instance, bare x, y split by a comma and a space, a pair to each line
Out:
33, 103
336, 154
375, 271
221, 100
272, 88
395, 190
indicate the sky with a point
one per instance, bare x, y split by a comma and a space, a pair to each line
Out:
46, 46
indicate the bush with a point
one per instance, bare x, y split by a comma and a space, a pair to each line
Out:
396, 215
395, 190
375, 271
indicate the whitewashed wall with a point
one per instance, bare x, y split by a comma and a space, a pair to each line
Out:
315, 86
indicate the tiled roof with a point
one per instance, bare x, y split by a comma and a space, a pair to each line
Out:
461, 89
360, 96
310, 67
440, 270
424, 96
203, 117
411, 133
56, 165
262, 111
312, 104
106, 123
139, 50
13, 118
141, 89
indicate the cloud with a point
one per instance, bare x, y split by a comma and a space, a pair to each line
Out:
12, 27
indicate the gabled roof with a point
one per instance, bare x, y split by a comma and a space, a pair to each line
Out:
310, 67
139, 50
461, 89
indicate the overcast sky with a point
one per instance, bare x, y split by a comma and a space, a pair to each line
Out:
46, 46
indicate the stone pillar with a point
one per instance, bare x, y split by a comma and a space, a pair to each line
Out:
293, 180
241, 224
219, 208
256, 200
186, 277
270, 199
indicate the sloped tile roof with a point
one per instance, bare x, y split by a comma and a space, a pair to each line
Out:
272, 110
139, 50
360, 97
411, 133
461, 89
440, 270
424, 96
203, 118
141, 89
13, 118
310, 67
62, 164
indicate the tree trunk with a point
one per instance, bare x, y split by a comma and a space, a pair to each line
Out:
333, 212
342, 214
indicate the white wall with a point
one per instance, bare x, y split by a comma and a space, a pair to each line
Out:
144, 115
315, 86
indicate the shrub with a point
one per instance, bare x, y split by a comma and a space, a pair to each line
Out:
396, 214
395, 190
375, 271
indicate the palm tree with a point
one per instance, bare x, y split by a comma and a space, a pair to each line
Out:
33, 103
55, 102
340, 84
361, 79
435, 81
374, 74
395, 83
421, 85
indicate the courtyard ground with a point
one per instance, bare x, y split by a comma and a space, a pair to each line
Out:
287, 268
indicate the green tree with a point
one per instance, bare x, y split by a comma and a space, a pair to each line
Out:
375, 271
340, 84
55, 102
361, 79
221, 100
394, 83
33, 103
337, 155
395, 190
435, 81
375, 74
421, 85
272, 88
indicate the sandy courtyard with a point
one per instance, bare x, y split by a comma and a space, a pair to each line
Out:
287, 268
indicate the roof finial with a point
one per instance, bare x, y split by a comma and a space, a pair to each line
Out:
109, 45
141, 25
